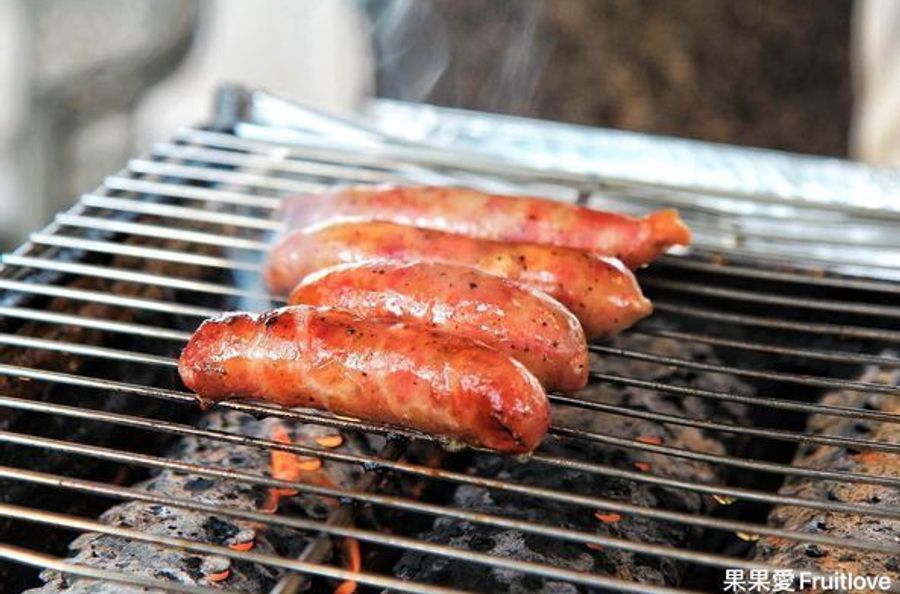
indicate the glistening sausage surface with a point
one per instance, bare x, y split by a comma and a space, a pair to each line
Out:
635, 241
392, 373
526, 325
601, 292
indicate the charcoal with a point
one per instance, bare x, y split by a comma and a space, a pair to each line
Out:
577, 556
799, 555
169, 564
15, 576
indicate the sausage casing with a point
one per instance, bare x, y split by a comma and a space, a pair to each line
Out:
601, 292
635, 241
526, 325
379, 371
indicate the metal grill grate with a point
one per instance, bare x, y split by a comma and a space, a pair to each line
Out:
207, 189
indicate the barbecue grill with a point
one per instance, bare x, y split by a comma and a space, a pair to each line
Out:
750, 425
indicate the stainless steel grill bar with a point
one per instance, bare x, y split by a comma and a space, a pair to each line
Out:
107, 247
424, 472
863, 444
688, 204
107, 298
277, 169
225, 263
495, 166
803, 278
232, 264
40, 315
160, 232
744, 345
180, 212
840, 330
276, 160
156, 188
75, 523
314, 154
684, 287
809, 380
216, 288
27, 557
123, 493
829, 383
222, 176
132, 276
133, 494
793, 436
756, 400
229, 474
846, 307
863, 262
73, 348
279, 164
258, 409
822, 235
767, 433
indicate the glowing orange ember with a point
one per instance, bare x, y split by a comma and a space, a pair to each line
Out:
607, 518
330, 441
352, 554
642, 466
219, 576
867, 457
593, 546
285, 467
353, 562
241, 547
724, 499
308, 464
650, 439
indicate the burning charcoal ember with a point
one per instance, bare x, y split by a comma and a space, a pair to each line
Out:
840, 525
165, 563
578, 556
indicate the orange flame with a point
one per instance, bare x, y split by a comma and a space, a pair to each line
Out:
353, 562
642, 466
285, 467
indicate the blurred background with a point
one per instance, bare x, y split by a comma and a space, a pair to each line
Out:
87, 84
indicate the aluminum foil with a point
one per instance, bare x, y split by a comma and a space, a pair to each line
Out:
740, 202
644, 158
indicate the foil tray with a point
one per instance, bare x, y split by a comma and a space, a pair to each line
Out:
741, 202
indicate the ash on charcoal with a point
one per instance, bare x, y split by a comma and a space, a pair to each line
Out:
572, 555
165, 563
799, 555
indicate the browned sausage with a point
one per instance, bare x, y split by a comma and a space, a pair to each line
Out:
601, 292
526, 325
635, 241
385, 372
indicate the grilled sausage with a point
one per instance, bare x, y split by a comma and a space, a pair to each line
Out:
509, 218
527, 325
601, 292
386, 372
